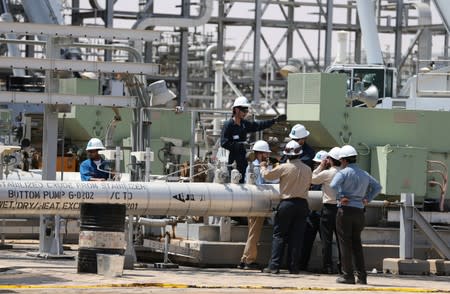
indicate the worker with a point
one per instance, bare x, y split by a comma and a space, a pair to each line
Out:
322, 175
235, 130
290, 216
93, 168
312, 227
299, 133
354, 188
255, 223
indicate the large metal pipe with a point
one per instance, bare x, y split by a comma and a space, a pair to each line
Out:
366, 13
24, 198
141, 198
206, 8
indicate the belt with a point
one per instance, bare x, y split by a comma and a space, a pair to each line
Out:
293, 199
351, 208
329, 205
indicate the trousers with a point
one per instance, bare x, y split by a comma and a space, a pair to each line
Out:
288, 228
327, 230
349, 225
255, 225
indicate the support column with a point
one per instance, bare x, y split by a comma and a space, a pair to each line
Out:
398, 33
407, 226
329, 33
257, 52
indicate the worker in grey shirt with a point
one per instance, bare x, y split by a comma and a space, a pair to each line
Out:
355, 188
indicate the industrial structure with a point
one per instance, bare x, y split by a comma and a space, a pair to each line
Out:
157, 88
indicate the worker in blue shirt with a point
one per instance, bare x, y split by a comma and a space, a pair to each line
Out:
355, 188
255, 223
93, 168
235, 130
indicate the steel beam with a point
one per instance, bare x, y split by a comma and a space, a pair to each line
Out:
257, 52
79, 65
78, 31
57, 98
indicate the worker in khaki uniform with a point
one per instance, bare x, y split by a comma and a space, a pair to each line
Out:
323, 175
290, 218
255, 223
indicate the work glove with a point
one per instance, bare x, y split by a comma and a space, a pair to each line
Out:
280, 118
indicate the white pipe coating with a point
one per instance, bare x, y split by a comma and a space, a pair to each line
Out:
366, 13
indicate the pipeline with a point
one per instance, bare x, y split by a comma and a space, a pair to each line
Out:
141, 198
24, 198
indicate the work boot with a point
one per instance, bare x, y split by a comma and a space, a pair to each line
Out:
269, 270
361, 281
344, 280
252, 266
328, 270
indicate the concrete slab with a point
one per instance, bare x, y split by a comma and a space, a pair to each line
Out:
399, 266
24, 274
440, 267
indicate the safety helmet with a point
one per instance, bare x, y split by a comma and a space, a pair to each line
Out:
261, 146
298, 132
241, 101
292, 148
95, 144
321, 155
334, 153
347, 151
369, 78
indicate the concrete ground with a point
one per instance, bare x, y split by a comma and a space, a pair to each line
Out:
20, 273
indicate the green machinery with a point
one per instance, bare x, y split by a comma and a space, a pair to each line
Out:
407, 150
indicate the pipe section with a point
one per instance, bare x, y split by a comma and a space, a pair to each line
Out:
366, 13
171, 21
154, 198
24, 198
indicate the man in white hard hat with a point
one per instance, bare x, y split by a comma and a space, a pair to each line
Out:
299, 133
354, 189
235, 130
323, 175
290, 218
255, 223
312, 221
93, 168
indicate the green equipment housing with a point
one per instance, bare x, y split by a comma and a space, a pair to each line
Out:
406, 150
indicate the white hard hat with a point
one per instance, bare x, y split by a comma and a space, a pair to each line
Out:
241, 101
334, 153
321, 155
261, 146
347, 151
95, 144
292, 148
298, 132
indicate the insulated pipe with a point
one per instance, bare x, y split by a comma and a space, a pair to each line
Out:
366, 13
141, 198
172, 21
218, 93
24, 198
425, 40
341, 56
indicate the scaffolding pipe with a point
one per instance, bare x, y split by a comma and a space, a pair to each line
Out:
218, 93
